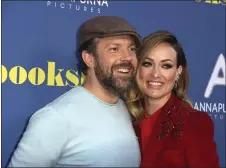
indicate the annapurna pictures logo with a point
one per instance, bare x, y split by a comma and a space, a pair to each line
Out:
93, 6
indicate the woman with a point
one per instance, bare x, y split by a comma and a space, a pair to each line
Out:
170, 131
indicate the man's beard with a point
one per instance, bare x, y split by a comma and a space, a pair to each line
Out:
116, 85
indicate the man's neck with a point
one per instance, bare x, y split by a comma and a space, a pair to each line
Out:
100, 92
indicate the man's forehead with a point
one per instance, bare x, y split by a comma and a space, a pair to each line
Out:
122, 39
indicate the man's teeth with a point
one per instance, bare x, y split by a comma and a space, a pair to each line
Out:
155, 83
123, 70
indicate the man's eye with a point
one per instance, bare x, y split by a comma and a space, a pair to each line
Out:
133, 48
113, 49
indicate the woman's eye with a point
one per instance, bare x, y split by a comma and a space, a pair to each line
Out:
146, 64
167, 66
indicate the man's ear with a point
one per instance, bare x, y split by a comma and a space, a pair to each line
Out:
88, 59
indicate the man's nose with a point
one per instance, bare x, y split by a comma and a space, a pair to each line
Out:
128, 55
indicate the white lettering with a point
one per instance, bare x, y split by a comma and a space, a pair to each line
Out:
210, 107
215, 79
196, 106
224, 111
105, 2
85, 5
62, 5
77, 7
83, 1
202, 107
220, 106
99, 3
211, 116
48, 3
93, 2
70, 6
91, 9
214, 107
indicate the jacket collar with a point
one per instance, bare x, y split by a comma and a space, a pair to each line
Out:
161, 131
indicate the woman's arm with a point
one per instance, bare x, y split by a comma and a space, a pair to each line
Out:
200, 147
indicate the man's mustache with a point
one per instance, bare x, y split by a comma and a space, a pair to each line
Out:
124, 65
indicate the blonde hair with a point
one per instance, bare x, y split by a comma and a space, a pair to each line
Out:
135, 96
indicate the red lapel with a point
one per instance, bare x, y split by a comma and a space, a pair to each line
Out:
161, 129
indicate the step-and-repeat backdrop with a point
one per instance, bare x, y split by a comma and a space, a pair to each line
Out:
39, 60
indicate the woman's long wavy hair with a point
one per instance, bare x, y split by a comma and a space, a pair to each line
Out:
134, 96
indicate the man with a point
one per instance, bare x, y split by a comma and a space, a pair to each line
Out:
89, 126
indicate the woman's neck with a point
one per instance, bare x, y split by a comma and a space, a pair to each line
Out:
154, 104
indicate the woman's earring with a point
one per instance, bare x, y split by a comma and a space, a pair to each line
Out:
176, 82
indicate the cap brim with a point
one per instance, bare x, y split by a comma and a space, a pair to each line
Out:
137, 38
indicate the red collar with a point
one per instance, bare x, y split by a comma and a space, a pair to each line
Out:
165, 108
170, 104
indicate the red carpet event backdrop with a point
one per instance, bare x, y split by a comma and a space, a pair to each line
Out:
39, 62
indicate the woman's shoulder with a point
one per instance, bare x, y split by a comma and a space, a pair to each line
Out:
196, 120
193, 117
193, 113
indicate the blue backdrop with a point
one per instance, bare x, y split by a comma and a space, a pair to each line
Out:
39, 63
